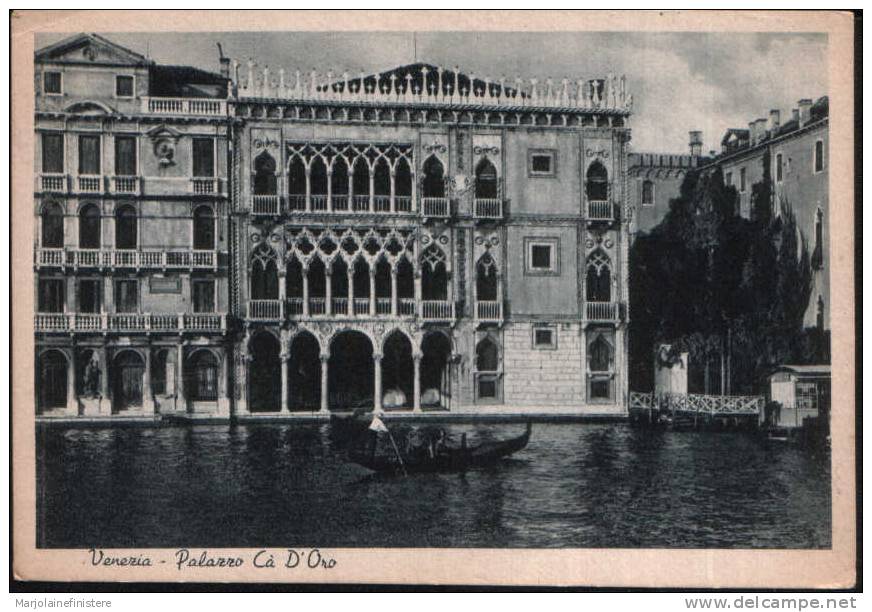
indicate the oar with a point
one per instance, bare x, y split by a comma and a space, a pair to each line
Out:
397, 451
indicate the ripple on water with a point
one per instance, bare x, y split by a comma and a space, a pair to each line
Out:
575, 485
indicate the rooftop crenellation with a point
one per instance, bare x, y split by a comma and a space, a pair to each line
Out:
423, 84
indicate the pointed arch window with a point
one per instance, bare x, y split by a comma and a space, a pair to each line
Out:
597, 185
486, 279
52, 226
434, 274
264, 174
486, 180
433, 184
264, 275
598, 278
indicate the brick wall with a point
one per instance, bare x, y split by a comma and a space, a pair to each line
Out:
542, 376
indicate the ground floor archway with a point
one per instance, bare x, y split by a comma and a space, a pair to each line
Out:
436, 371
305, 373
351, 372
52, 381
264, 374
397, 372
128, 375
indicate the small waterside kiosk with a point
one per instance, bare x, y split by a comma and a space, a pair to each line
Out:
800, 397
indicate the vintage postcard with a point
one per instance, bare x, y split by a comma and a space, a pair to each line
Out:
552, 298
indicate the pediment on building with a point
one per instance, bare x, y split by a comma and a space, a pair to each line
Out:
164, 131
89, 107
90, 49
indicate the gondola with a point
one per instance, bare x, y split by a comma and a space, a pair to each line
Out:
445, 459
349, 427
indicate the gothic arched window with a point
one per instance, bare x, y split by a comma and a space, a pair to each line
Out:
486, 279
597, 185
434, 178
485, 180
598, 279
264, 174
487, 356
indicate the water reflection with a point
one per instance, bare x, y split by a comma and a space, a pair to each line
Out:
576, 485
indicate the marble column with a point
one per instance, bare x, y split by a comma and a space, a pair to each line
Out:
377, 394
416, 360
286, 364
147, 397
181, 400
372, 292
72, 407
282, 293
105, 401
306, 293
325, 362
394, 292
328, 286
351, 291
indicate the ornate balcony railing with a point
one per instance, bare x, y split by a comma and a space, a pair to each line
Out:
381, 203
489, 311
360, 203
268, 205
89, 184
440, 88
339, 202
488, 208
205, 185
265, 310
125, 184
403, 204
601, 311
317, 306
54, 183
128, 322
294, 306
361, 306
600, 210
382, 306
406, 307
339, 306
127, 258
318, 202
184, 106
437, 310
297, 202
435, 207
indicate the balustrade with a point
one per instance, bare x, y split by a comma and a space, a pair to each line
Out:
90, 184
601, 311
600, 210
205, 186
127, 258
317, 306
265, 205
265, 310
435, 207
382, 306
294, 306
55, 183
488, 208
184, 106
489, 310
128, 322
125, 184
437, 310
361, 306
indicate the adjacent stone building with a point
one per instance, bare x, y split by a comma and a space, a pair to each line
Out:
262, 242
798, 153
131, 244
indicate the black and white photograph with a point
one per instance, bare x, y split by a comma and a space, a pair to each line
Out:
322, 290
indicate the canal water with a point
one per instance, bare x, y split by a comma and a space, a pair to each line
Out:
575, 485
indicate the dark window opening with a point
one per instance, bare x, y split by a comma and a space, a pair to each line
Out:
294, 279
434, 178
52, 383
540, 163
53, 153
204, 157
318, 177
600, 355
543, 337
486, 279
600, 389
540, 256
159, 372
51, 295
599, 284
318, 279
778, 168
818, 155
742, 179
125, 155
339, 177
89, 227
89, 155
90, 295
124, 86
360, 180
403, 179
125, 228
204, 228
487, 388
126, 296
296, 179
51, 82
264, 281
486, 356
597, 186
52, 227
817, 256
648, 193
204, 295
204, 377
382, 178
485, 180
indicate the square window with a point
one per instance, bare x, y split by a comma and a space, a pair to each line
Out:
53, 152
487, 389
600, 389
545, 337
124, 86
51, 83
542, 256
125, 155
204, 157
51, 295
542, 162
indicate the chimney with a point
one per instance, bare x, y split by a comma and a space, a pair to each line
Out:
224, 62
695, 142
794, 115
761, 129
804, 111
752, 133
774, 119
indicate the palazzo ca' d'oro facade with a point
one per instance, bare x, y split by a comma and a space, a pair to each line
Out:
419, 239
